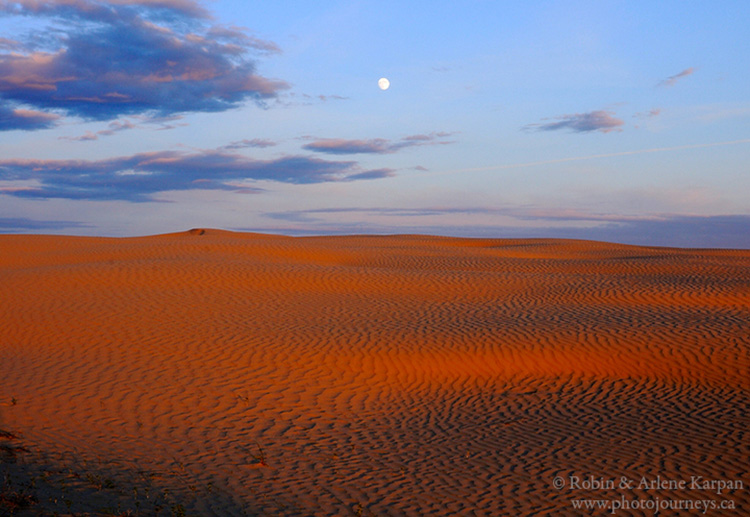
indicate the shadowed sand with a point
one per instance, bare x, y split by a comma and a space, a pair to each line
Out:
230, 374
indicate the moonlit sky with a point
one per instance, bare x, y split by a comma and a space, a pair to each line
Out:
622, 121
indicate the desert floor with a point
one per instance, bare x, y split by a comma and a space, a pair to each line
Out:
219, 373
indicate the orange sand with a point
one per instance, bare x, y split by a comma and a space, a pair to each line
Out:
399, 375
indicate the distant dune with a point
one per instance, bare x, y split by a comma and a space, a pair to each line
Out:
217, 373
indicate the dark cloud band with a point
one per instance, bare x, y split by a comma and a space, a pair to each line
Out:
139, 177
720, 231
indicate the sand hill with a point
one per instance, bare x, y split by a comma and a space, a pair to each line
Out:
219, 373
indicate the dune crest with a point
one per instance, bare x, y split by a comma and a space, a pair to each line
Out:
403, 375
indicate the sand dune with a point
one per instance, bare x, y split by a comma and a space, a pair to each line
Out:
243, 374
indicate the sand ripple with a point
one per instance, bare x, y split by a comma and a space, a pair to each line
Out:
400, 375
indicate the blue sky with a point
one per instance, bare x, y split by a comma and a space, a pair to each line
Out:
621, 121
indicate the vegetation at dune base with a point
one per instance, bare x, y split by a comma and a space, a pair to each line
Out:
27, 488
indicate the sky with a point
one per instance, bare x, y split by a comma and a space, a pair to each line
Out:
622, 121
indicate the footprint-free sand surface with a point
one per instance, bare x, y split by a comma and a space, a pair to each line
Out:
219, 373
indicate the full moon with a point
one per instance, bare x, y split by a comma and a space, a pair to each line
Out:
383, 83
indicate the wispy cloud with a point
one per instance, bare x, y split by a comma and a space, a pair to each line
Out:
258, 143
596, 156
326, 98
344, 146
112, 128
305, 99
9, 44
516, 212
600, 120
720, 231
19, 224
164, 121
137, 122
126, 57
648, 114
140, 176
117, 126
672, 80
371, 175
375, 145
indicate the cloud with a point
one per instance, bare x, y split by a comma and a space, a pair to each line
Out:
25, 120
310, 214
165, 122
106, 10
523, 213
597, 156
138, 177
112, 128
326, 98
600, 120
672, 80
684, 231
428, 138
117, 126
371, 175
86, 137
101, 60
184, 7
9, 44
375, 145
305, 99
17, 224
648, 114
258, 143
343, 146
716, 231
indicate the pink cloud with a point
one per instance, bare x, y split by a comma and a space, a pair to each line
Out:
600, 120
672, 80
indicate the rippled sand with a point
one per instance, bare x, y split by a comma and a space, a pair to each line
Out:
229, 374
